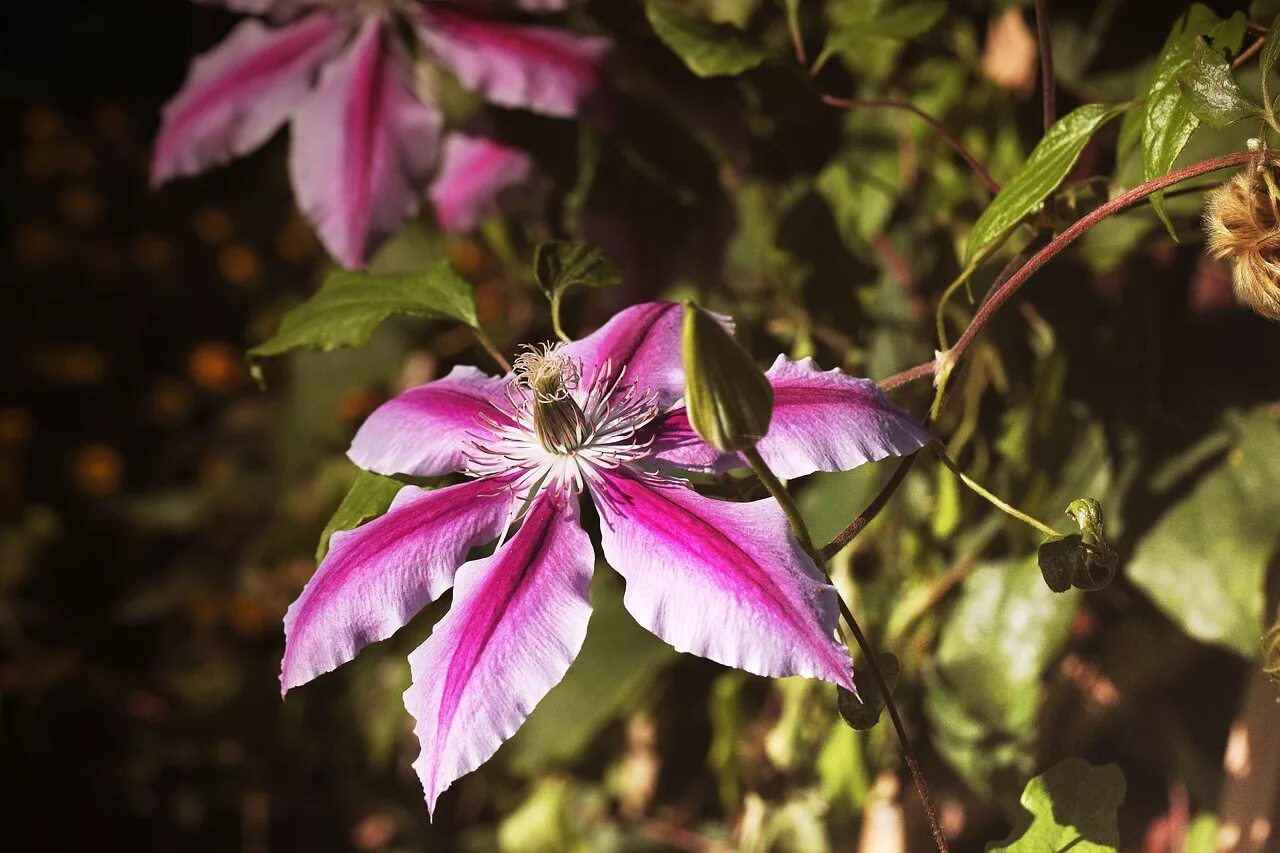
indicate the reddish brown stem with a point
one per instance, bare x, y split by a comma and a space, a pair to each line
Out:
1048, 87
942, 129
1002, 293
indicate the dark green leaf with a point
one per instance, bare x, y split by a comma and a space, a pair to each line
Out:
1168, 121
560, 265
1045, 169
1211, 89
861, 710
350, 305
984, 688
1204, 560
1061, 558
1271, 49
710, 50
368, 498
1071, 807
900, 22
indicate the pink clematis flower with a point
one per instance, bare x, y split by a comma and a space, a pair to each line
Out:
364, 141
599, 417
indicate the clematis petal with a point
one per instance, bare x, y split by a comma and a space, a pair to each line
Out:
424, 432
726, 581
830, 421
543, 69
276, 9
645, 340
822, 421
363, 146
377, 577
474, 172
517, 622
240, 93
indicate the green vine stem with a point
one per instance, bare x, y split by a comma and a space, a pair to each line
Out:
485, 341
989, 496
789, 508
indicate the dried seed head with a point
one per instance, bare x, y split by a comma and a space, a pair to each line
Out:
1242, 221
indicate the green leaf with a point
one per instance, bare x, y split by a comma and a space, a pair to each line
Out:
983, 690
1168, 121
561, 265
350, 305
1204, 561
1071, 807
862, 710
368, 498
709, 49
904, 21
1211, 89
1045, 169
1271, 48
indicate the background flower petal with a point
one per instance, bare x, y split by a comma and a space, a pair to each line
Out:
726, 581
271, 8
474, 172
543, 69
363, 147
377, 577
517, 622
424, 431
240, 93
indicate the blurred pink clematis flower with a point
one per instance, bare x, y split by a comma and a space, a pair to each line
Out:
600, 417
365, 142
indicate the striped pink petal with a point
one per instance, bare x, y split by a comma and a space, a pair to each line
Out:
474, 173
240, 93
364, 146
517, 622
726, 581
543, 69
425, 431
645, 340
377, 577
822, 421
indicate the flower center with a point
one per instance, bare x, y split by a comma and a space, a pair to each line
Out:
550, 432
558, 421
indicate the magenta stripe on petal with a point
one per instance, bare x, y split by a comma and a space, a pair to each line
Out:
543, 69
474, 173
426, 431
377, 577
645, 340
240, 93
517, 622
726, 581
363, 146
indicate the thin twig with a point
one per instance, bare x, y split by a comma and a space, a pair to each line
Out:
991, 497
844, 537
487, 342
789, 508
952, 140
1248, 52
1047, 84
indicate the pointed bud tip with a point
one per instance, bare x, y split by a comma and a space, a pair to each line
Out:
728, 397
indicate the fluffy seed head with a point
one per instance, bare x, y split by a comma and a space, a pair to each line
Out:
1242, 221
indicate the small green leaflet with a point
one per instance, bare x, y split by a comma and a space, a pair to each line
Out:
904, 21
350, 305
1168, 121
1045, 169
369, 497
1211, 89
1071, 807
560, 265
710, 50
1271, 49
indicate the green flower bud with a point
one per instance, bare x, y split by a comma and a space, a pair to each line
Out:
728, 397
